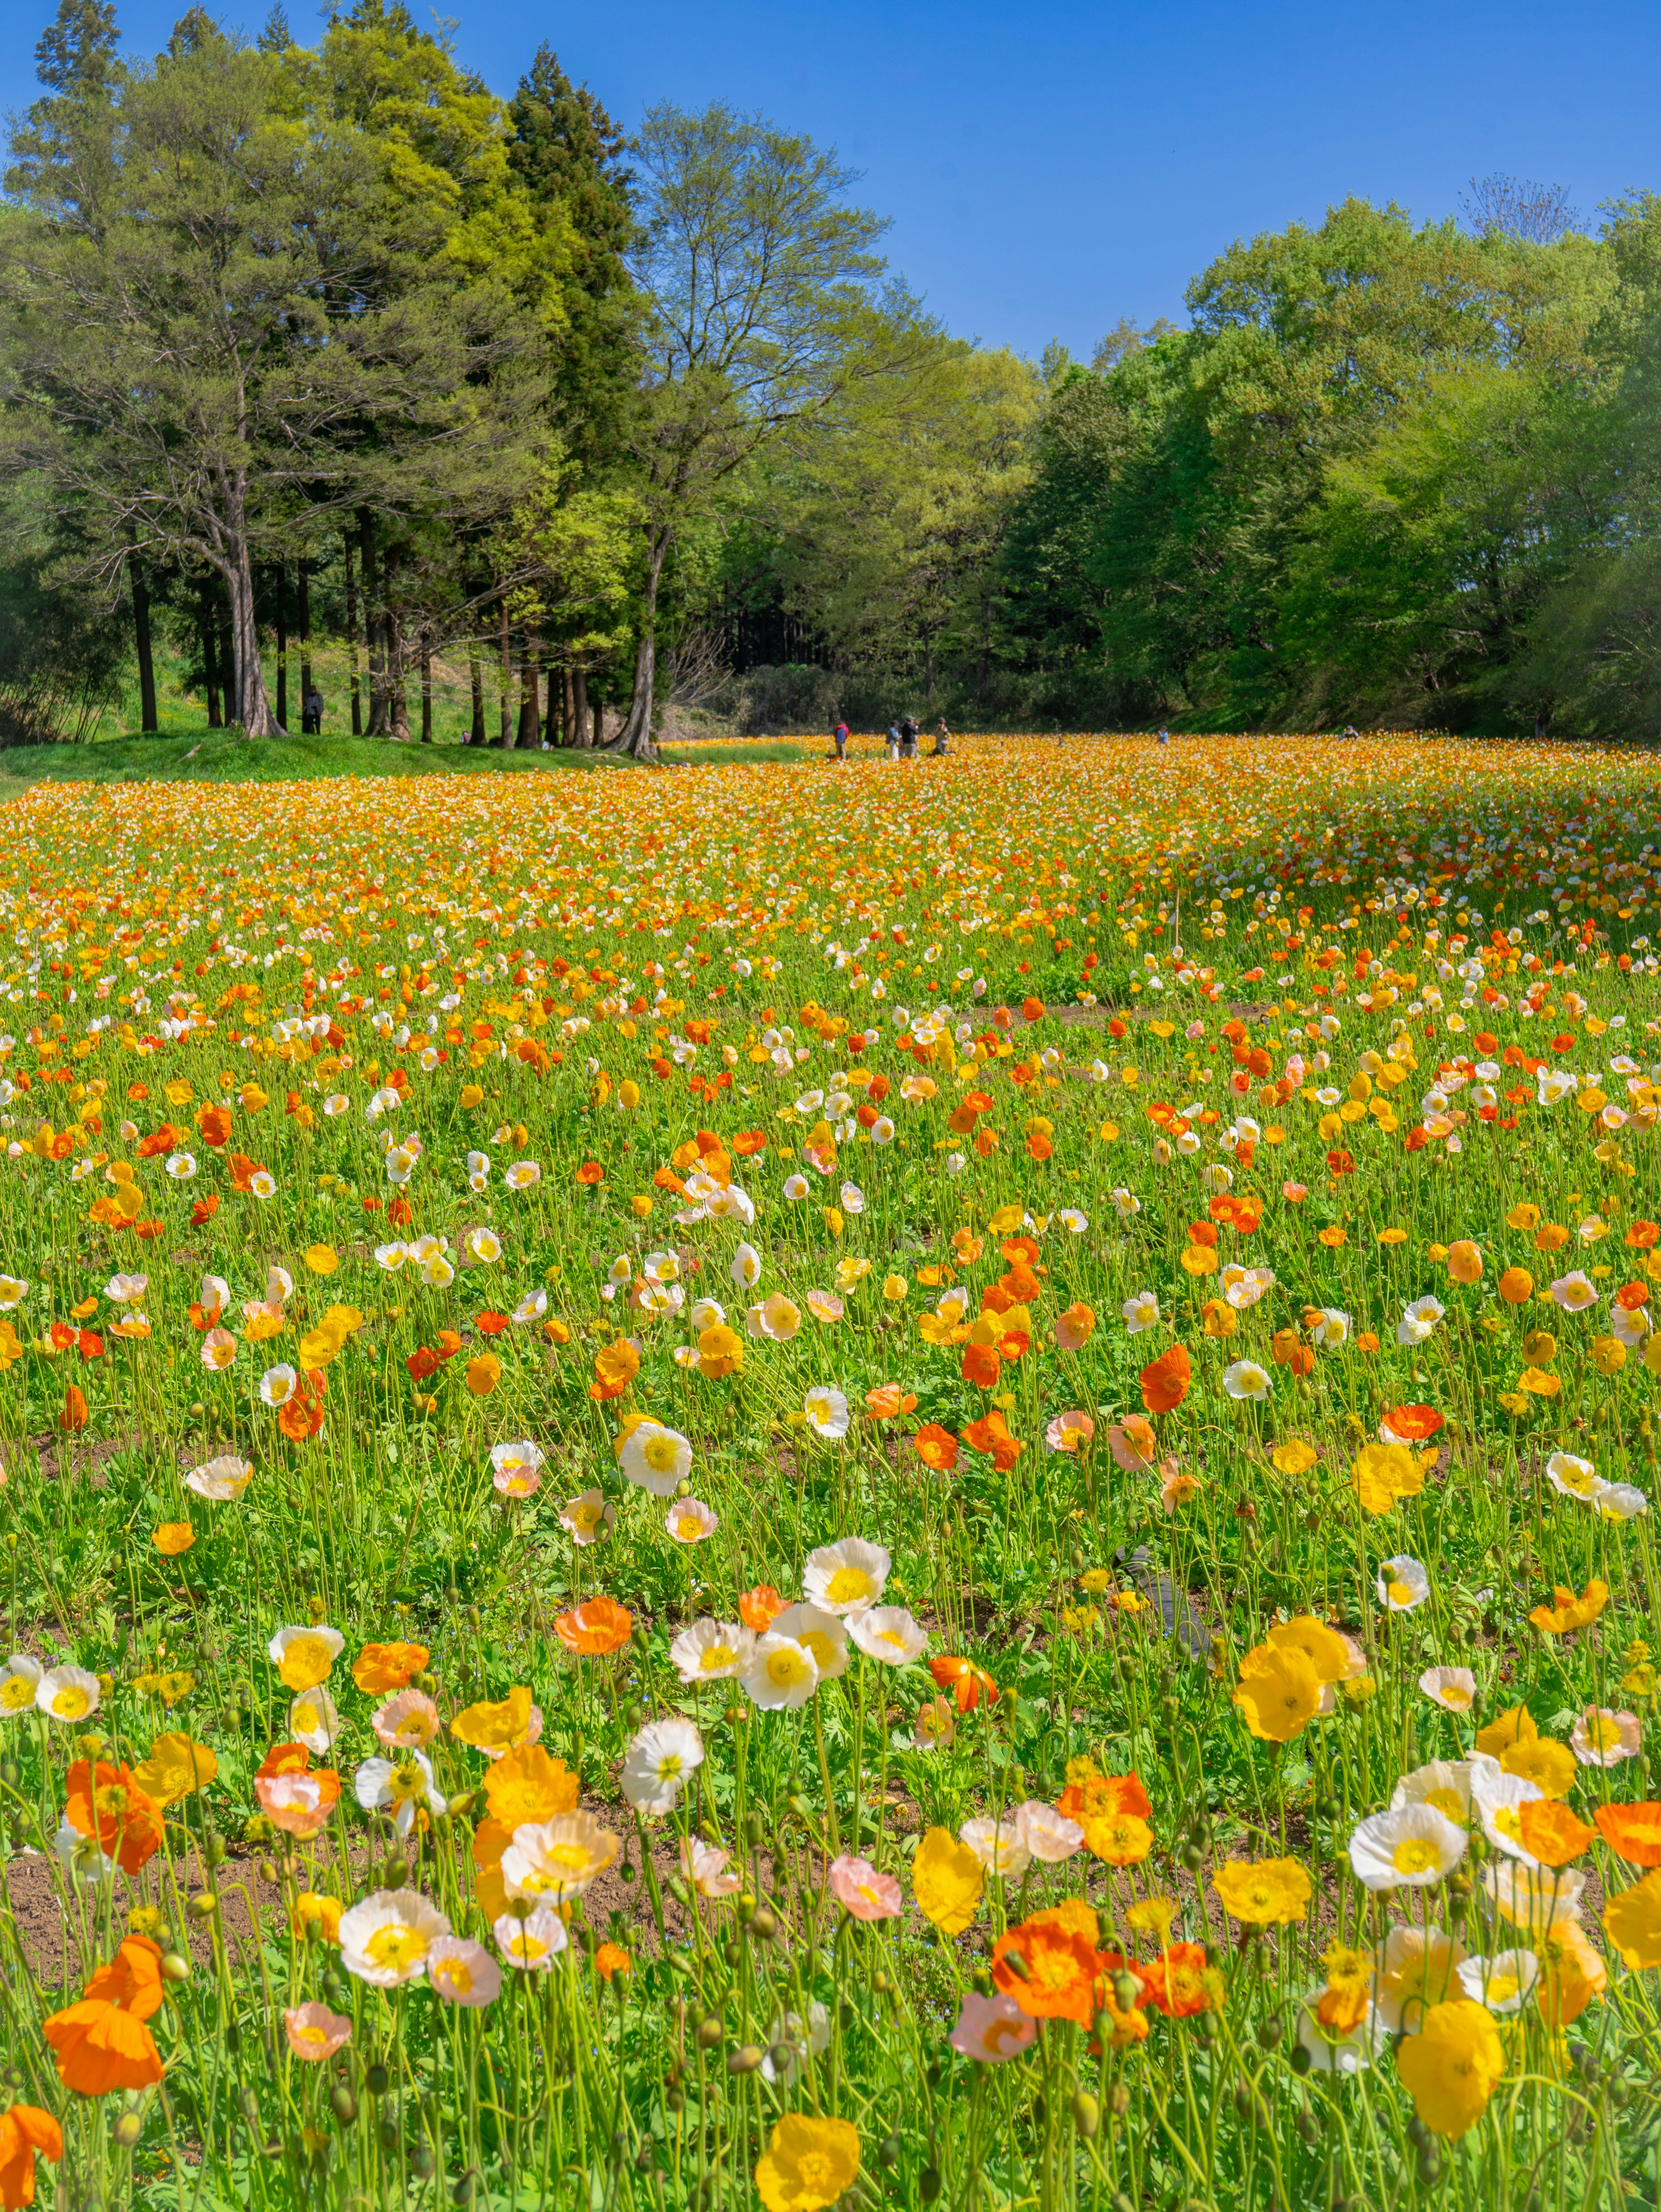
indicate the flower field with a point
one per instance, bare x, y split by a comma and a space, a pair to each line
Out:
847, 1485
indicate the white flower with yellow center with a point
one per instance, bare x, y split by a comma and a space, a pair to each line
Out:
782, 1672
1499, 1798
313, 1720
820, 1632
67, 1694
658, 1764
463, 1972
888, 1633
1574, 1476
485, 1246
656, 1458
689, 1521
826, 1413
845, 1577
385, 1941
1503, 1983
1453, 1688
712, 1650
1412, 1848
19, 1680
1402, 1583
523, 1175
1574, 1292
1444, 1782
400, 1786
1246, 1379
277, 1385
588, 1518
222, 1479
558, 1858
1140, 1312
776, 1318
998, 1844
531, 1944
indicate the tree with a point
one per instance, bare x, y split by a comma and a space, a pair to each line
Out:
210, 332
568, 154
762, 311
1536, 215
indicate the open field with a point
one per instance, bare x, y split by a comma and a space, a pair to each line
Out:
806, 1485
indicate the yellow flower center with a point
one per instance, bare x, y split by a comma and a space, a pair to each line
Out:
71, 1702
17, 1693
1502, 1988
454, 1976
823, 1651
1447, 1801
1455, 1695
395, 1947
658, 1453
848, 1585
110, 1801
1603, 1734
784, 1670
716, 1655
1508, 1820
1415, 1855
311, 2041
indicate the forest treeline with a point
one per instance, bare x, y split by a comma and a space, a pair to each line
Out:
327, 347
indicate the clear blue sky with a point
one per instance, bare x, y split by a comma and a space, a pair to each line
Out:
1052, 166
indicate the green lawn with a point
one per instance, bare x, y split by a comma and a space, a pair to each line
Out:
221, 756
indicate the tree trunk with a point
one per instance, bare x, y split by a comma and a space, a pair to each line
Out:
141, 625
580, 735
374, 627
398, 704
305, 633
568, 720
530, 698
476, 731
209, 630
635, 737
505, 651
426, 691
352, 632
552, 728
254, 708
283, 643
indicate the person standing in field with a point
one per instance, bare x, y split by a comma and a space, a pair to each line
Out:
839, 738
893, 741
908, 737
942, 740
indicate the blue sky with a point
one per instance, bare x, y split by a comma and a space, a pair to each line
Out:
1050, 167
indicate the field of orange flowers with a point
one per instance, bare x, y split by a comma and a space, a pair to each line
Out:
846, 1485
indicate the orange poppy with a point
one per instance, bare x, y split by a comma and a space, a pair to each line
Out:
1104, 1793
102, 2043
170, 1538
1516, 1286
1176, 1983
991, 1434
105, 1802
1164, 1380
596, 1628
748, 1142
204, 1211
1074, 1327
936, 1447
1059, 1965
590, 1173
1554, 1833
1642, 1235
23, 2130
215, 1124
887, 1400
759, 1608
74, 1415
1413, 1423
1632, 1298
967, 1682
1633, 1832
981, 1365
380, 1667
611, 1959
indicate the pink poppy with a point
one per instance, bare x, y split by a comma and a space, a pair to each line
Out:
1068, 1431
868, 1895
1296, 1192
992, 2029
314, 2031
408, 1722
1131, 1443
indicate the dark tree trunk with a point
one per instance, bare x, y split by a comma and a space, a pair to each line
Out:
426, 693
569, 707
352, 634
505, 652
530, 678
634, 736
375, 628
398, 704
579, 735
476, 730
283, 643
227, 664
209, 634
305, 632
140, 625
552, 729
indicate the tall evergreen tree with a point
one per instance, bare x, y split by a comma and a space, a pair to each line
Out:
567, 152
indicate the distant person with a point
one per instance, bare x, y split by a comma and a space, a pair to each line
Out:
942, 740
310, 713
908, 730
839, 738
893, 741
1165, 737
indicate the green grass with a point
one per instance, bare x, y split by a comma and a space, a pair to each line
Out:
223, 756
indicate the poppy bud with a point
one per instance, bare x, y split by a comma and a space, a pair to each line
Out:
1086, 2113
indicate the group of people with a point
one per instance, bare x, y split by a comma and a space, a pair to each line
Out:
903, 737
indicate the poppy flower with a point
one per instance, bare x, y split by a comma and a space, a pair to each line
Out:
1164, 1380
595, 1629
382, 1667
590, 1173
966, 1681
759, 1607
1633, 1832
105, 1803
102, 2043
936, 1447
25, 2130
